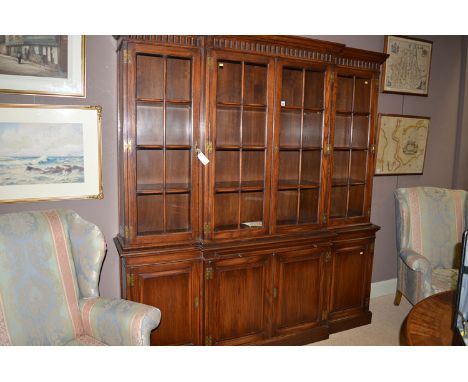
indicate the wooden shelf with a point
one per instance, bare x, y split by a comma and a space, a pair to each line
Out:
160, 147
284, 185
238, 105
222, 187
159, 189
238, 148
150, 101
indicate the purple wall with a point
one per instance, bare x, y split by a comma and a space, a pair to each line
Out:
444, 166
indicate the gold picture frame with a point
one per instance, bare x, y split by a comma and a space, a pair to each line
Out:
402, 142
50, 152
407, 69
49, 65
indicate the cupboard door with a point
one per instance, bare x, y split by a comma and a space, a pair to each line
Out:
352, 140
299, 291
302, 102
238, 307
162, 126
241, 100
350, 285
175, 290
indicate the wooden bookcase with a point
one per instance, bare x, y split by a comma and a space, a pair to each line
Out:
270, 242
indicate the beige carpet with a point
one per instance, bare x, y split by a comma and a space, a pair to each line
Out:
384, 329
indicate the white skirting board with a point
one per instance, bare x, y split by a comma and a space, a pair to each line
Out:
383, 288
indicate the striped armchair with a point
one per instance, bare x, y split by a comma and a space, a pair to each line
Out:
430, 222
50, 262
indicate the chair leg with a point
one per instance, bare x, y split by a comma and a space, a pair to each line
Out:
397, 298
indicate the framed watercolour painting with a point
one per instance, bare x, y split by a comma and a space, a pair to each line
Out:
52, 65
50, 152
402, 144
408, 66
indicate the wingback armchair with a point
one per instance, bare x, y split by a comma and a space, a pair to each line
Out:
430, 222
50, 262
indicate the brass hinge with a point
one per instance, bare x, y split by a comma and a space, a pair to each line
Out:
208, 273
127, 147
208, 341
208, 147
328, 149
324, 218
276, 149
328, 256
206, 228
372, 149
196, 302
210, 62
332, 77
131, 280
127, 231
127, 58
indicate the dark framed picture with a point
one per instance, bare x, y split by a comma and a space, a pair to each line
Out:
52, 65
402, 141
408, 67
50, 152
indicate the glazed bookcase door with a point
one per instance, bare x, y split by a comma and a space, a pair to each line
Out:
302, 101
241, 94
163, 124
352, 146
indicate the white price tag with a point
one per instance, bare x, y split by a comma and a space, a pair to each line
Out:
283, 103
202, 158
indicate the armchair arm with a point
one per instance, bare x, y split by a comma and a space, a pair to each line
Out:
118, 322
415, 261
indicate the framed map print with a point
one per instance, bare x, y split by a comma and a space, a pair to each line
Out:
402, 144
408, 66
53, 65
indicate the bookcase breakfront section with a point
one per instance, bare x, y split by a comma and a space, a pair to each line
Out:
270, 242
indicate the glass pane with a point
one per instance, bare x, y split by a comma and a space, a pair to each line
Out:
252, 209
287, 207
362, 95
356, 200
227, 168
289, 168
338, 202
308, 207
178, 79
253, 168
290, 132
255, 84
342, 130
312, 134
229, 84
228, 126
150, 125
226, 211
177, 124
177, 212
149, 167
360, 131
313, 92
340, 167
150, 77
358, 166
253, 127
311, 167
344, 94
177, 168
149, 213
292, 87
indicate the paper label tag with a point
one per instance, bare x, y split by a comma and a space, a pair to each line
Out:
283, 103
202, 158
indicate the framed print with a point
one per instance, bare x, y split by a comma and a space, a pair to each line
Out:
53, 65
402, 144
407, 69
50, 152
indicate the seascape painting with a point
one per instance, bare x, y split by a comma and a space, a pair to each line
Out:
41, 153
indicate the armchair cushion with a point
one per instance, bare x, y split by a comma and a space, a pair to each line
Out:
444, 279
118, 322
415, 261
